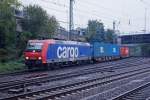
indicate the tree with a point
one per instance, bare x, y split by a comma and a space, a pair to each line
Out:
95, 31
50, 28
110, 36
38, 22
7, 22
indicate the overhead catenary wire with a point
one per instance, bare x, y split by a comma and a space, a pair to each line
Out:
108, 10
87, 12
107, 15
76, 9
81, 13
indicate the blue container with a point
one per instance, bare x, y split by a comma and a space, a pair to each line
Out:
62, 51
104, 50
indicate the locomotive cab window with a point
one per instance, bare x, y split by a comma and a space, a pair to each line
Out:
34, 46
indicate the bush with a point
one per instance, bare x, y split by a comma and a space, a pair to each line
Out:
3, 55
11, 66
7, 55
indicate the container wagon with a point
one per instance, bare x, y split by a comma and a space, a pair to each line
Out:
124, 51
103, 51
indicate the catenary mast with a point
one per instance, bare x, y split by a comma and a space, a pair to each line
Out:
70, 19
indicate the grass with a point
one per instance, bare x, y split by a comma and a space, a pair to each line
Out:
11, 66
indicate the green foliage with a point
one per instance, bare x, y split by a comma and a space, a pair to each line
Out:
110, 36
22, 42
95, 31
3, 58
38, 22
7, 54
7, 29
7, 22
11, 66
50, 28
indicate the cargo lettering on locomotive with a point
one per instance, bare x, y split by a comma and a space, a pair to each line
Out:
67, 52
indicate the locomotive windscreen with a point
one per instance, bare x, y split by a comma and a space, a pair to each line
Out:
34, 46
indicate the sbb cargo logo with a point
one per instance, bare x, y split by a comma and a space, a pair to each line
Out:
67, 52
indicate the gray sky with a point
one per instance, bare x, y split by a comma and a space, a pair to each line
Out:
122, 11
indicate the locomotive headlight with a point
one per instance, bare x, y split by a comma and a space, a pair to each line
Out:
27, 58
39, 58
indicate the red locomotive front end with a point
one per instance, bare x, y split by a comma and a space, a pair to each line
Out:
33, 53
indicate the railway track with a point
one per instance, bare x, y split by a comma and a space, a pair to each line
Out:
14, 73
53, 73
34, 71
140, 93
110, 67
38, 80
64, 90
18, 73
10, 77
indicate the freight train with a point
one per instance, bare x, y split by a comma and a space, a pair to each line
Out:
51, 53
